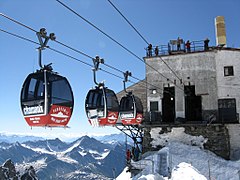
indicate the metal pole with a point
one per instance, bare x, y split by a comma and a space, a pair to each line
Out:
40, 57
209, 172
94, 77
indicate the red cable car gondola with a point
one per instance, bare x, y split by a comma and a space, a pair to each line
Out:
131, 108
101, 104
46, 97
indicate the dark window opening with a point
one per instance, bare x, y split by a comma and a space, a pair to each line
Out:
228, 71
193, 104
154, 106
227, 110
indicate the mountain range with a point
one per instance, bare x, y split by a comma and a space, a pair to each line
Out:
17, 138
84, 158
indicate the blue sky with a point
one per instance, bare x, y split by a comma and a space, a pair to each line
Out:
159, 21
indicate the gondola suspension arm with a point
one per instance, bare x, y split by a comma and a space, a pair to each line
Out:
126, 74
43, 40
96, 63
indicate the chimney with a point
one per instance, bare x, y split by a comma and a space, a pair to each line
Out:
220, 31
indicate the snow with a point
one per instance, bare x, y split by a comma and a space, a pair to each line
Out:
39, 150
176, 135
151, 177
41, 163
101, 155
65, 158
179, 172
60, 155
82, 153
72, 147
124, 175
184, 158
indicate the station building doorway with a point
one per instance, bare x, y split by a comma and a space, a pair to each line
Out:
193, 104
168, 105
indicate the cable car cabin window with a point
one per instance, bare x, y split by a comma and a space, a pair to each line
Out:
32, 95
153, 106
90, 99
139, 105
99, 100
112, 102
95, 99
31, 89
126, 104
61, 93
34, 89
40, 89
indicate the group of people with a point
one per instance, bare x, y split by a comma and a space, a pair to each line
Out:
188, 45
178, 42
132, 154
149, 50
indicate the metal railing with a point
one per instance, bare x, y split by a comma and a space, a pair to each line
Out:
171, 48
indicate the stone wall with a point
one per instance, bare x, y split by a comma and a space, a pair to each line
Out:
218, 138
217, 135
234, 138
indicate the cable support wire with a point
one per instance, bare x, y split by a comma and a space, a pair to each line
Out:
57, 51
20, 37
67, 46
21, 24
17, 22
142, 37
108, 36
71, 57
124, 17
23, 38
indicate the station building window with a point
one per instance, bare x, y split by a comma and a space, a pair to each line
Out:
154, 106
228, 71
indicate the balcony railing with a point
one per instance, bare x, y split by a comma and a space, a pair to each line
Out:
172, 48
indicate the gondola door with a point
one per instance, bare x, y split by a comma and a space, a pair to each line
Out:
168, 105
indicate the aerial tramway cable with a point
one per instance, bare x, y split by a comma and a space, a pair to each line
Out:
124, 17
111, 38
175, 74
73, 49
78, 60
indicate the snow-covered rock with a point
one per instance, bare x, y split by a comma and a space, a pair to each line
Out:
184, 162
